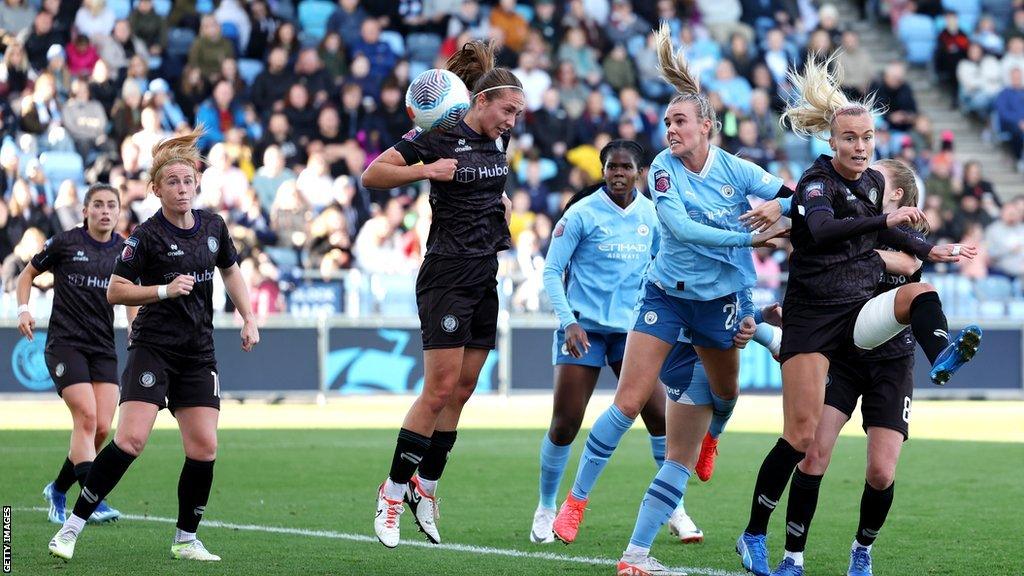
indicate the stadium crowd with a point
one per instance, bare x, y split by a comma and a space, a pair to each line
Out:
298, 97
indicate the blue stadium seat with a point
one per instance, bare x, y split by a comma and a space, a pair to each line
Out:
525, 11
994, 288
1001, 12
249, 69
1015, 310
179, 40
992, 310
313, 15
61, 166
965, 9
394, 41
121, 8
917, 34
230, 31
162, 7
285, 257
204, 6
967, 23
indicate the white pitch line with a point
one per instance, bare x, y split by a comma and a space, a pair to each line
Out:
487, 550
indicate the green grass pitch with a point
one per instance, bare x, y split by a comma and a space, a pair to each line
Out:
957, 508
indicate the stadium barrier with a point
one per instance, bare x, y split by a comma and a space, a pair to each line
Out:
333, 356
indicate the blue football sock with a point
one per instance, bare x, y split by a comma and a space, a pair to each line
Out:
552, 465
658, 450
601, 442
721, 411
661, 499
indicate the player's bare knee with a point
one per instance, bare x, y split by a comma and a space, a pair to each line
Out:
801, 438
564, 430
130, 442
815, 460
879, 476
85, 421
101, 434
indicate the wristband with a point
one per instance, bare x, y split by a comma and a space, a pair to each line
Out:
24, 308
161, 292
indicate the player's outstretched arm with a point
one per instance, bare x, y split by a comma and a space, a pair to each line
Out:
235, 286
390, 170
24, 290
123, 291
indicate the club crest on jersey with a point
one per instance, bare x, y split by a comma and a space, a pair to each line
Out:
661, 181
449, 323
650, 318
873, 195
814, 190
147, 379
59, 369
130, 245
766, 178
643, 230
728, 191
212, 244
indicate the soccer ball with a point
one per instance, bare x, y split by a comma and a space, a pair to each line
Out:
437, 99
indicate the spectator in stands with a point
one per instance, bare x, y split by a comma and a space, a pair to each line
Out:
149, 135
23, 212
15, 16
1009, 108
777, 56
222, 182
29, 244
330, 247
13, 71
522, 216
624, 26
763, 15
986, 35
741, 56
391, 117
57, 67
765, 120
649, 73
40, 110
332, 54
980, 80
819, 47
618, 70
102, 87
309, 71
505, 18
1004, 239
210, 48
382, 59
594, 120
271, 175
94, 19
976, 185
279, 133
977, 267
734, 90
748, 147
289, 215
951, 48
545, 22
264, 25
272, 84
896, 97
230, 12
219, 113
67, 210
39, 39
315, 183
588, 18
149, 26
580, 56
1015, 28
85, 120
126, 116
287, 37
722, 19
970, 212
857, 65
172, 118
250, 215
535, 80
551, 127
828, 21
1014, 57
301, 116
347, 20
63, 14
118, 48
81, 56
378, 246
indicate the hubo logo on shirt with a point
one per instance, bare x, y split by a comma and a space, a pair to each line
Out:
469, 174
204, 276
80, 257
463, 147
175, 251
81, 280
